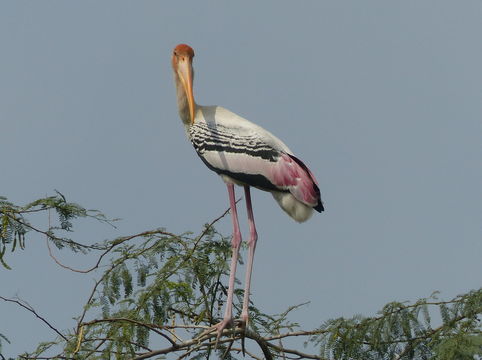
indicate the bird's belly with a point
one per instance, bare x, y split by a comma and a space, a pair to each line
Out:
238, 167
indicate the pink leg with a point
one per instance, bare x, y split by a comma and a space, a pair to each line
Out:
253, 237
236, 243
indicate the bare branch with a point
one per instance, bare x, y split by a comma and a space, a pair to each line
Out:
29, 308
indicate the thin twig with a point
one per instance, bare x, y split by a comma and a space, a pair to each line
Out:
103, 340
29, 308
109, 249
152, 327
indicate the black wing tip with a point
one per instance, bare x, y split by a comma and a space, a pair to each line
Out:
319, 207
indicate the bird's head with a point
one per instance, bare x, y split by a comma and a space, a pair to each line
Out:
182, 56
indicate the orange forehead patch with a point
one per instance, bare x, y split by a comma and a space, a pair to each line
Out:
183, 49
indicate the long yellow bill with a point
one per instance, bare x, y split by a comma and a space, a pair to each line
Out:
185, 73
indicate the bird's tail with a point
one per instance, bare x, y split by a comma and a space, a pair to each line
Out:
292, 206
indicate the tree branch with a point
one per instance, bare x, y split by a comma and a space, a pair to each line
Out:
29, 308
152, 327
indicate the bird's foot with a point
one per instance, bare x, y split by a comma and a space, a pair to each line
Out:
239, 323
227, 323
219, 327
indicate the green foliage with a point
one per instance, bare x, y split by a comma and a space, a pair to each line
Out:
178, 293
177, 280
12, 232
14, 223
405, 331
460, 346
159, 293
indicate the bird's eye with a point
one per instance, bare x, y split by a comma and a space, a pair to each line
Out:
175, 53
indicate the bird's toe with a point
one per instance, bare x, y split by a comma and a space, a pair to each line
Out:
221, 326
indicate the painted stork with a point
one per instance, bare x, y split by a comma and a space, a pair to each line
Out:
245, 154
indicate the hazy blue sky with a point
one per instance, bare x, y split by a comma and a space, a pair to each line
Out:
382, 99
